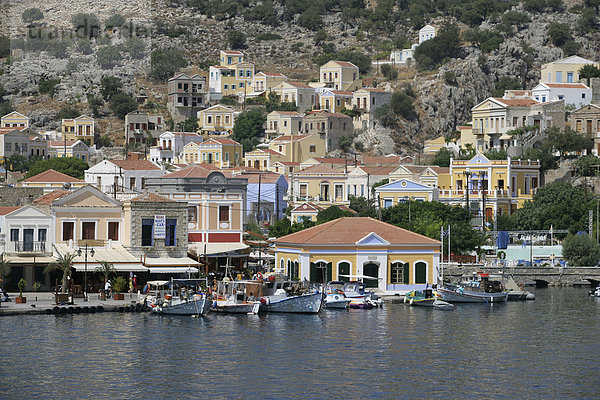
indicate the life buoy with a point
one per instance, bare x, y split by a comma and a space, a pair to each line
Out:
259, 276
336, 297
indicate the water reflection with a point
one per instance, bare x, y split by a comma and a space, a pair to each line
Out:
541, 349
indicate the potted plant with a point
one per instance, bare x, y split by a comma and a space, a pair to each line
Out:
106, 269
21, 285
63, 264
37, 286
119, 287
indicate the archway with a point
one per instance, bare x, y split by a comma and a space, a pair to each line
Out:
372, 270
344, 269
320, 272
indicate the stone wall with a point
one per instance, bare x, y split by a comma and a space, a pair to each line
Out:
148, 210
19, 196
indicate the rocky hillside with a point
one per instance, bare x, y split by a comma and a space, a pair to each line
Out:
502, 46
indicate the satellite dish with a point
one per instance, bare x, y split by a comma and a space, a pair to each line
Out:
67, 185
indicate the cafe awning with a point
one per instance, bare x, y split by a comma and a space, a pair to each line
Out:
125, 267
170, 262
121, 259
172, 270
201, 249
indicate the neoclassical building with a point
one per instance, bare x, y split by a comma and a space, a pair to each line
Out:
384, 256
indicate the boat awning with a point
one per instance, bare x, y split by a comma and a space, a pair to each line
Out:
172, 270
170, 262
216, 248
125, 267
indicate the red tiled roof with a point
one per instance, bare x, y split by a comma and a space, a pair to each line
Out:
299, 84
8, 210
349, 230
321, 113
271, 151
61, 143
307, 206
193, 171
332, 160
52, 176
135, 165
233, 52
265, 177
152, 198
372, 90
383, 170
567, 85
341, 92
292, 113
288, 163
271, 74
318, 169
516, 102
345, 64
47, 199
381, 160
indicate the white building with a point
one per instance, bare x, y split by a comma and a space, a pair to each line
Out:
427, 32
576, 94
122, 176
170, 146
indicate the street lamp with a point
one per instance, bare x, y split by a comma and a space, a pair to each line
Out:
92, 252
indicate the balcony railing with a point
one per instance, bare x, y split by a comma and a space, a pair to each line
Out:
28, 247
490, 194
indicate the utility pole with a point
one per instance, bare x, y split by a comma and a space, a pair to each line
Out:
258, 207
378, 208
276, 201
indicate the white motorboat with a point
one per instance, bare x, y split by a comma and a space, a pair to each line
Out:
360, 297
285, 296
595, 292
237, 297
335, 297
179, 297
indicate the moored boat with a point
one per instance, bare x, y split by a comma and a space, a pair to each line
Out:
461, 294
283, 296
359, 296
236, 297
181, 297
335, 297
427, 298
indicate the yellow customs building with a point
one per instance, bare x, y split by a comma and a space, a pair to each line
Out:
386, 257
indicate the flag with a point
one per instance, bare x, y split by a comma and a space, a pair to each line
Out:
445, 232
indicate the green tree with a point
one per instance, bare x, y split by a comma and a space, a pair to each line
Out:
63, 264
236, 39
433, 52
86, 25
589, 71
588, 165
496, 154
442, 157
280, 228
320, 36
558, 204
189, 125
506, 83
31, 15
136, 47
568, 140
581, 250
110, 86
48, 86
559, 33
544, 155
71, 166
363, 206
249, 128
311, 19
165, 62
389, 72
331, 213
114, 21
106, 269
122, 104
95, 104
4, 46
345, 142
67, 112
4, 268
402, 105
108, 56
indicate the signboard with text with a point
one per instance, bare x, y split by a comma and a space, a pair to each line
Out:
160, 230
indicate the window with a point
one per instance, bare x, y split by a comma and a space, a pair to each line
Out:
147, 230
225, 86
223, 213
42, 235
387, 203
501, 184
569, 77
131, 183
68, 230
171, 226
303, 190
192, 214
14, 235
399, 273
113, 231
583, 95
420, 272
558, 76
88, 230
232, 87
143, 183
313, 148
459, 185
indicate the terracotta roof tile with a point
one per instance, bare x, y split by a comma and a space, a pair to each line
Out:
47, 199
52, 176
135, 165
286, 138
61, 143
299, 84
221, 141
345, 64
517, 102
265, 177
193, 171
152, 198
8, 210
318, 169
381, 160
567, 85
349, 230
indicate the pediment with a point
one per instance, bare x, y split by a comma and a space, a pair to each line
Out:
372, 239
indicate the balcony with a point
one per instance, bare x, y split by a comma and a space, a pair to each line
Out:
28, 247
91, 243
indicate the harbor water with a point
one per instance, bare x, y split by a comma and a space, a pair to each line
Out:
547, 348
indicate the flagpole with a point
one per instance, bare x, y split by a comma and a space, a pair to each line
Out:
442, 254
448, 245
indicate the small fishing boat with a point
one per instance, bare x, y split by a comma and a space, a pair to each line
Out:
335, 297
283, 296
461, 294
514, 291
236, 297
427, 298
595, 292
359, 296
180, 297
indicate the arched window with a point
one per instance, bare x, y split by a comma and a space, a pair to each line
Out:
399, 272
344, 269
420, 272
289, 271
296, 274
320, 272
282, 263
371, 269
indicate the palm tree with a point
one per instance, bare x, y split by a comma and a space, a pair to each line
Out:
105, 269
63, 263
4, 268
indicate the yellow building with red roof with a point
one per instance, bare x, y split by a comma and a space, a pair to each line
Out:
386, 257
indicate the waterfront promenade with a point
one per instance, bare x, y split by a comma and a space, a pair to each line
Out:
39, 303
